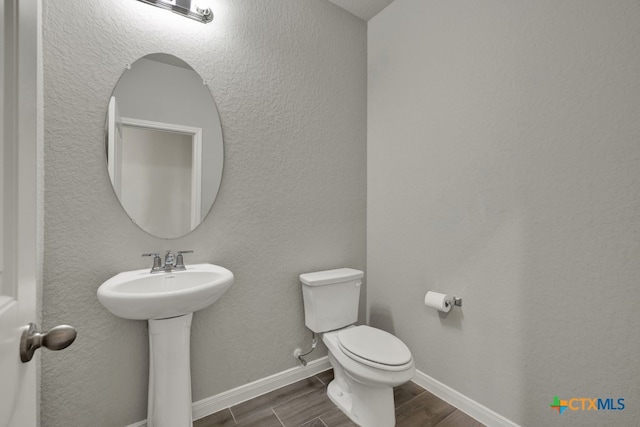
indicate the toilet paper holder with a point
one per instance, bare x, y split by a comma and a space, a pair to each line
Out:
454, 301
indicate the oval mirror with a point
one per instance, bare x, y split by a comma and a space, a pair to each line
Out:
164, 145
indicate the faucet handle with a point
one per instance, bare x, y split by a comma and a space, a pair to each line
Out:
180, 260
157, 261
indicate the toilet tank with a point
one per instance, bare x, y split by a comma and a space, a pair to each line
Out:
331, 298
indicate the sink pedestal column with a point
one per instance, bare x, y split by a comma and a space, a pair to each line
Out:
170, 372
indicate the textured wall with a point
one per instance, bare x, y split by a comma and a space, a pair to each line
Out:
503, 166
289, 79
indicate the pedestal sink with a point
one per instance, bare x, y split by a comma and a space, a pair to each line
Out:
168, 301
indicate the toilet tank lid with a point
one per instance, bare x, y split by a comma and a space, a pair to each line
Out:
329, 277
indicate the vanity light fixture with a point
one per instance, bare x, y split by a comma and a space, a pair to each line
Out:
184, 8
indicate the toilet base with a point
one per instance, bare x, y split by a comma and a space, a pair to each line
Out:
341, 399
364, 404
371, 407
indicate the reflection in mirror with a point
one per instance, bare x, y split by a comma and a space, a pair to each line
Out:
164, 146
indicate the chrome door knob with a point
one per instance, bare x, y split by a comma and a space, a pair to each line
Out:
55, 339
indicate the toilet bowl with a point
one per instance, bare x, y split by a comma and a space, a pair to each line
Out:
367, 362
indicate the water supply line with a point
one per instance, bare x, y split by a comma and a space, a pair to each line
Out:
300, 355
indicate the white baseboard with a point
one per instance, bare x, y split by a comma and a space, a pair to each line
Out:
213, 404
216, 403
462, 402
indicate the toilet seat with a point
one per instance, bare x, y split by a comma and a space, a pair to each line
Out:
374, 347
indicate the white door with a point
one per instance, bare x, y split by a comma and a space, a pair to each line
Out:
114, 146
18, 231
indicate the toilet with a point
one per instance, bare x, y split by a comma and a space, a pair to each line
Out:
367, 362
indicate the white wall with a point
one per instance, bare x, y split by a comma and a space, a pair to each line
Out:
288, 78
503, 167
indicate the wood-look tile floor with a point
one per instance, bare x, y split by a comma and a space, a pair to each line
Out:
305, 404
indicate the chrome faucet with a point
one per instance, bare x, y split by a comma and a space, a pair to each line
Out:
171, 262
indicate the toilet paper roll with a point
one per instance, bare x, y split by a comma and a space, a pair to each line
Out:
441, 302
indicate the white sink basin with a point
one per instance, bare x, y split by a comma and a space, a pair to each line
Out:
141, 295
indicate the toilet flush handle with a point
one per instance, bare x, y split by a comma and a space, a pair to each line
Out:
358, 284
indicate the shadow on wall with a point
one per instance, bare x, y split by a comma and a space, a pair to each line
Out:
380, 317
453, 319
